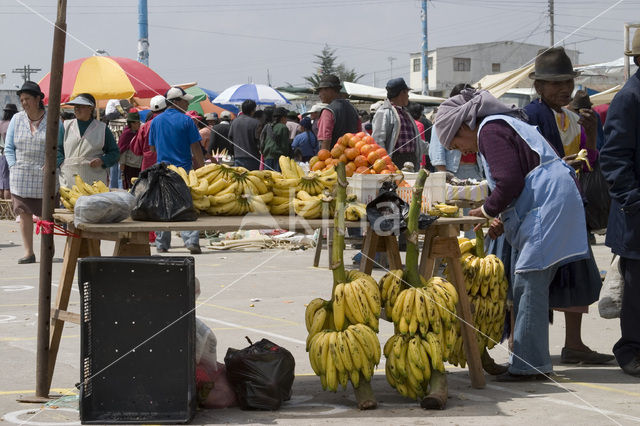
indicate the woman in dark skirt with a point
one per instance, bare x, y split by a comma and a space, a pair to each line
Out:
25, 152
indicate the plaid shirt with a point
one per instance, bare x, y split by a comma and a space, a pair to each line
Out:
406, 143
27, 172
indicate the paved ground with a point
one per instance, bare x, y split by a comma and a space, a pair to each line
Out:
284, 281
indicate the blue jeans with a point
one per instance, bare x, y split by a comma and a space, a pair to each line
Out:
190, 238
248, 163
531, 332
114, 176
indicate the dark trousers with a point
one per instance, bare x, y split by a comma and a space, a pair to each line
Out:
271, 164
628, 347
400, 158
248, 163
128, 173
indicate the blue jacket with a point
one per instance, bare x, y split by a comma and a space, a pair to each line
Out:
620, 163
546, 223
440, 156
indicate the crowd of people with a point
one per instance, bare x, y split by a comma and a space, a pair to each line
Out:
528, 157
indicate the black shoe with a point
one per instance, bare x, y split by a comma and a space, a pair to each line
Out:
162, 250
194, 249
632, 368
27, 259
573, 356
510, 377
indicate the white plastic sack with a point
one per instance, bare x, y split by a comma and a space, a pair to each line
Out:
610, 302
206, 346
108, 207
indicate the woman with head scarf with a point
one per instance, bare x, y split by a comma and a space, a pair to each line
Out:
8, 112
88, 147
536, 196
25, 152
305, 141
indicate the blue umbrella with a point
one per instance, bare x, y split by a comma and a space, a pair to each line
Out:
229, 107
259, 93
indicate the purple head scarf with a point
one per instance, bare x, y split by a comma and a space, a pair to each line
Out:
466, 108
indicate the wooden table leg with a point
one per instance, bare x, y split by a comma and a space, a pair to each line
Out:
71, 252
368, 251
329, 247
393, 252
316, 258
427, 262
464, 310
137, 245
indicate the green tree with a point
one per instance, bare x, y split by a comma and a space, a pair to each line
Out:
327, 64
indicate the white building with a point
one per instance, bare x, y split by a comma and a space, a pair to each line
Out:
449, 66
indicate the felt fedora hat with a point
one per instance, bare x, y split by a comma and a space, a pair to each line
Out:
553, 65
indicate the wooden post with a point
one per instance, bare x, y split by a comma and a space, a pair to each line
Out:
48, 202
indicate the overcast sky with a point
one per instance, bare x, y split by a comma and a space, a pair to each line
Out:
221, 43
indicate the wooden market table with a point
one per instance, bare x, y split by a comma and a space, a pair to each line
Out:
132, 239
440, 242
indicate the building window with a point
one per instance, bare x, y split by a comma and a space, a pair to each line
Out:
495, 67
416, 64
462, 64
429, 63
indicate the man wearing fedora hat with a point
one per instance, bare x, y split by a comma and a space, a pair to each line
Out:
394, 128
338, 117
576, 285
620, 162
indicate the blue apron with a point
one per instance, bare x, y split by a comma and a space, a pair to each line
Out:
545, 225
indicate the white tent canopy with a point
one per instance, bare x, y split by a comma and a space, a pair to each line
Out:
363, 91
499, 84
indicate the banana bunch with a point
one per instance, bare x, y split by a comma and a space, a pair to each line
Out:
69, 196
313, 206
410, 361
444, 210
356, 301
355, 212
486, 286
391, 284
340, 356
289, 168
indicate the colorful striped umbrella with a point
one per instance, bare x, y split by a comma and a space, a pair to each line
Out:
107, 77
261, 94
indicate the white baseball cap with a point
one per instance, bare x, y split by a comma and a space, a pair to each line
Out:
225, 114
316, 108
178, 93
158, 103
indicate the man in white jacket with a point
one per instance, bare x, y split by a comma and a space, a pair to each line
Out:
395, 129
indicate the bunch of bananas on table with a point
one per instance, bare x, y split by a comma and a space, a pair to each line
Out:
69, 196
486, 286
444, 210
355, 212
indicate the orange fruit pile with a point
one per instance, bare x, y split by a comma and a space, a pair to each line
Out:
360, 153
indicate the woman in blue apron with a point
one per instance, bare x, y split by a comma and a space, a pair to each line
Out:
536, 196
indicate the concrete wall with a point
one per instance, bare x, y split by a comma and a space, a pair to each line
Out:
510, 55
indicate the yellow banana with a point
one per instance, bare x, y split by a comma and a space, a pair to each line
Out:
338, 306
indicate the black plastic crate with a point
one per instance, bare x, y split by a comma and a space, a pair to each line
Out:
138, 339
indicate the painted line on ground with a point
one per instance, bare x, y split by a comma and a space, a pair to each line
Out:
600, 387
255, 330
558, 401
240, 311
63, 391
21, 339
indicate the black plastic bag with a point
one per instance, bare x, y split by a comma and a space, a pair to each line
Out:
162, 196
387, 214
596, 193
261, 375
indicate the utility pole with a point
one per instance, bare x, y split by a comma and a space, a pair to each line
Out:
390, 59
143, 33
268, 78
551, 24
26, 72
425, 50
